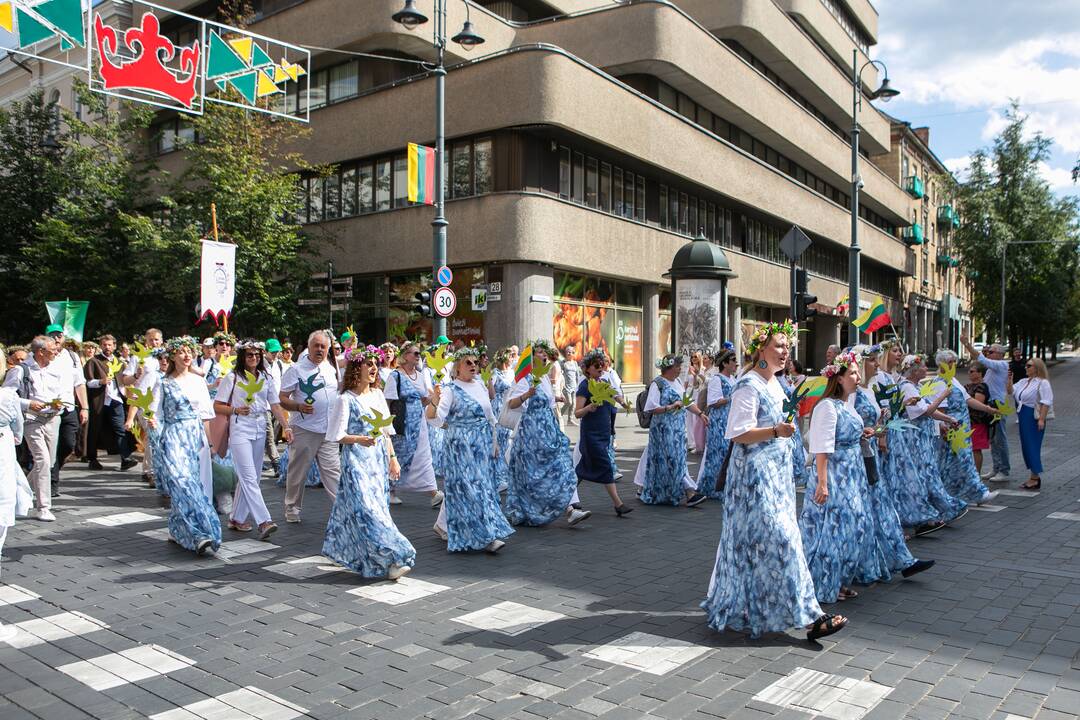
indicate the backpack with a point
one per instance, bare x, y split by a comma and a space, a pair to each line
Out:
25, 390
643, 418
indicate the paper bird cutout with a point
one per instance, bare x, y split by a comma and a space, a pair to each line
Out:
1005, 409
930, 388
947, 373
485, 375
140, 439
141, 351
227, 363
437, 361
115, 365
377, 422
791, 405
539, 371
310, 386
896, 419
602, 392
883, 393
143, 400
959, 438
252, 387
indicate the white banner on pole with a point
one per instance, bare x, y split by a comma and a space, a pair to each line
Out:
218, 278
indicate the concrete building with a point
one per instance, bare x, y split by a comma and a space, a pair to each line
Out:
587, 142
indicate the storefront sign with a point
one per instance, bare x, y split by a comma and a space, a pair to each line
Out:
479, 299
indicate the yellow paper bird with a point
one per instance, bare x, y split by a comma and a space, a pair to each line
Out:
959, 438
947, 373
930, 388
437, 362
140, 439
251, 388
378, 422
1005, 409
602, 392
350, 331
143, 400
485, 375
539, 371
227, 363
115, 366
141, 351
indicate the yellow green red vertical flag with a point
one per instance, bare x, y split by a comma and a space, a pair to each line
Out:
421, 174
525, 363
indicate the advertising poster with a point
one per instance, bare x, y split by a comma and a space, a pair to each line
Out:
697, 308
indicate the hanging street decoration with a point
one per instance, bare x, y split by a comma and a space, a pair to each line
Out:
27, 25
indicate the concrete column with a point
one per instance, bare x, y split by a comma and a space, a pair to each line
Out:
650, 327
525, 311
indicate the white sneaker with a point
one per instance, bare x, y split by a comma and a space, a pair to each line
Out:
503, 487
398, 571
577, 516
8, 632
437, 499
988, 497
395, 500
999, 477
42, 514
292, 515
494, 546
618, 476
440, 532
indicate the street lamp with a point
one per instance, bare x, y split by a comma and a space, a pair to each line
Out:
411, 18
885, 93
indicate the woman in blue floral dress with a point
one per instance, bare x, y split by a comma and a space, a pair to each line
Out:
473, 518
181, 450
543, 484
591, 459
837, 520
790, 380
662, 472
410, 384
721, 385
361, 534
760, 582
502, 380
958, 472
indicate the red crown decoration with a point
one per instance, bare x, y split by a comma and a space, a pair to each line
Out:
148, 71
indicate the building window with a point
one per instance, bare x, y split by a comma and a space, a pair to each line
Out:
663, 206
564, 173
628, 194
344, 81
349, 206
592, 312
578, 185
617, 192
315, 203
462, 183
382, 185
605, 187
332, 206
401, 181
639, 199
590, 182
483, 172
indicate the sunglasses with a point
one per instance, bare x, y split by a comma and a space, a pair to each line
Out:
469, 363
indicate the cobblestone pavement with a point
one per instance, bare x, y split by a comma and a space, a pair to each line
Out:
597, 621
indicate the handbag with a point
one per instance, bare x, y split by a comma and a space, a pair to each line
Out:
868, 460
510, 417
397, 408
219, 429
721, 479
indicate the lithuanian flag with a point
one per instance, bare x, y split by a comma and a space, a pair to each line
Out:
811, 390
421, 174
525, 364
873, 319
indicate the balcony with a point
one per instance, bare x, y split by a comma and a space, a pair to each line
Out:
947, 261
914, 187
947, 216
913, 235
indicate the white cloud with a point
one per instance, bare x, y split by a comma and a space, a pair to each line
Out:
1059, 179
958, 166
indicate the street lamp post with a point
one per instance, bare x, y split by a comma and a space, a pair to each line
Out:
884, 93
411, 18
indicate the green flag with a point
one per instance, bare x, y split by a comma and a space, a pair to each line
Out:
71, 314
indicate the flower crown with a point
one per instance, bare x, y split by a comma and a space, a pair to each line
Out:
176, 343
502, 355
594, 355
766, 331
843, 361
473, 352
228, 337
910, 361
368, 352
668, 361
865, 351
159, 352
389, 347
886, 345
251, 345
546, 346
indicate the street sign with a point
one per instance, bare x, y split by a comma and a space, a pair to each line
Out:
445, 302
794, 243
309, 301
444, 276
479, 299
337, 308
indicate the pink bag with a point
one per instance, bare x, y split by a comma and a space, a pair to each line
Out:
219, 429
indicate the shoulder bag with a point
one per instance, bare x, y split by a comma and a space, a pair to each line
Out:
397, 407
219, 428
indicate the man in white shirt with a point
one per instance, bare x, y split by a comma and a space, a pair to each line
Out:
309, 389
107, 405
72, 385
39, 396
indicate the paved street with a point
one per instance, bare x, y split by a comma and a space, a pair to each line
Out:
598, 621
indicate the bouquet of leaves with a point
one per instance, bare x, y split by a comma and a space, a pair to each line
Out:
437, 362
377, 422
252, 387
538, 372
142, 399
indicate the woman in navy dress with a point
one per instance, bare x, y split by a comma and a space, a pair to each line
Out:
593, 462
958, 472
182, 450
718, 399
837, 520
760, 582
361, 534
471, 518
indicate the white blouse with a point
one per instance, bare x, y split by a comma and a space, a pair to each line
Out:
823, 425
911, 390
744, 404
337, 425
253, 424
422, 383
474, 388
1033, 392
652, 401
522, 386
194, 389
716, 389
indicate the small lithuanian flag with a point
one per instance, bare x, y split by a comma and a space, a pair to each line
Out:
421, 174
873, 319
525, 364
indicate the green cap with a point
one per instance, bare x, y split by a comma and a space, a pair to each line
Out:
272, 345
345, 336
54, 328
442, 340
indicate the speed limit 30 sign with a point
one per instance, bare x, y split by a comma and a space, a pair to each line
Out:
444, 302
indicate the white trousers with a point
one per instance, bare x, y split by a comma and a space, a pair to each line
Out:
148, 450
247, 455
41, 438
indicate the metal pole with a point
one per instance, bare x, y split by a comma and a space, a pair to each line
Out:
853, 261
1004, 249
330, 291
793, 309
439, 224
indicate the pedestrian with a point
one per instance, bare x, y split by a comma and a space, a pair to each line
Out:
1017, 365
107, 412
39, 391
149, 376
412, 386
274, 369
11, 434
957, 464
361, 534
1034, 400
591, 459
390, 361
982, 425
543, 484
286, 353
760, 582
435, 432
830, 354
182, 449
997, 380
789, 383
502, 380
224, 344
837, 518
75, 413
571, 379
718, 403
694, 381
471, 518
611, 377
207, 361
892, 352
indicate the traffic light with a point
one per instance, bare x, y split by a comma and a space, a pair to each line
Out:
803, 299
423, 303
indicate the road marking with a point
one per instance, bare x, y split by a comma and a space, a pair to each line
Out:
830, 696
987, 508
1063, 516
116, 669
13, 594
1018, 493
127, 518
508, 618
249, 703
238, 548
55, 627
648, 653
398, 593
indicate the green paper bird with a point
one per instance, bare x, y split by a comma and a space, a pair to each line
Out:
959, 438
227, 363
251, 388
896, 412
929, 388
791, 405
1005, 409
485, 375
948, 372
602, 392
539, 371
310, 386
377, 422
115, 366
141, 351
884, 393
142, 399
437, 362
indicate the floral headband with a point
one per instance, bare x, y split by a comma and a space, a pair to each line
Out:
389, 347
159, 352
594, 355
502, 355
668, 361
473, 352
887, 345
184, 341
547, 347
763, 333
251, 345
910, 361
369, 352
843, 361
227, 337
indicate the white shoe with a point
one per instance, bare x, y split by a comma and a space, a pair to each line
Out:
8, 632
395, 500
577, 516
292, 515
494, 546
440, 532
988, 497
999, 477
205, 547
437, 498
618, 476
503, 487
42, 514
398, 571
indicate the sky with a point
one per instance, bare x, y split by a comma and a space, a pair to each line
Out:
958, 63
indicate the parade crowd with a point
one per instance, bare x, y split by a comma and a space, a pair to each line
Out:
889, 454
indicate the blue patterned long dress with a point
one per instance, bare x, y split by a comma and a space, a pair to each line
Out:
958, 473
760, 582
838, 536
902, 468
887, 526
542, 476
473, 515
716, 444
947, 507
665, 455
180, 454
436, 437
360, 533
500, 474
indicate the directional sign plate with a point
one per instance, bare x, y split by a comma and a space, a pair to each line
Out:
444, 301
